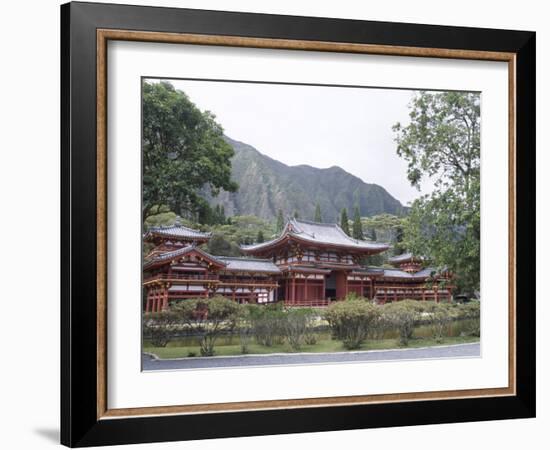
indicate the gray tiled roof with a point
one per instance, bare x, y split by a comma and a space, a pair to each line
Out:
178, 231
320, 233
167, 256
396, 273
248, 264
400, 258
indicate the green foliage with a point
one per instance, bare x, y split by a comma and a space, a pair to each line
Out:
183, 151
244, 328
296, 326
350, 321
344, 221
207, 318
442, 143
318, 217
402, 315
439, 317
240, 230
160, 327
260, 237
220, 246
267, 324
385, 228
357, 227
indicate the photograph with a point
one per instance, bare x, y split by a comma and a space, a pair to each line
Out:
297, 224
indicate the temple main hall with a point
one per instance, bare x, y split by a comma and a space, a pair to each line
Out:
308, 264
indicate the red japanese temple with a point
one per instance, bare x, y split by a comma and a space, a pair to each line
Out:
308, 264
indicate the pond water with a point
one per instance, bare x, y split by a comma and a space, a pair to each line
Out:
453, 329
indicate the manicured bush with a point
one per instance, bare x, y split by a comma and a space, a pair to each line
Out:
350, 321
208, 318
160, 327
267, 324
296, 325
439, 316
403, 316
244, 329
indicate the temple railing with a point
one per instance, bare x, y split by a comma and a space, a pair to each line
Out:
178, 276
308, 302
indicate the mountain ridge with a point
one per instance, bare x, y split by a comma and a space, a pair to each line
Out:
267, 185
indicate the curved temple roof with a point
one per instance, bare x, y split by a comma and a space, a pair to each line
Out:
173, 254
405, 257
178, 232
329, 234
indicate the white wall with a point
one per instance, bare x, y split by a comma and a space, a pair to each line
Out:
29, 190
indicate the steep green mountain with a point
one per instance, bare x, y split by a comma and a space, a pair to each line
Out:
267, 185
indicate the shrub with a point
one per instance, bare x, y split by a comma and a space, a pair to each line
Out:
160, 327
350, 321
379, 327
296, 325
267, 324
208, 318
401, 315
470, 310
311, 338
244, 328
439, 317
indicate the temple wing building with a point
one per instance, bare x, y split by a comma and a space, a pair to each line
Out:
319, 262
308, 264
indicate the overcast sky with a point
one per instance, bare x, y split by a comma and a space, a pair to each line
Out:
316, 125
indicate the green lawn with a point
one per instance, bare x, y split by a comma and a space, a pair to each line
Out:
328, 345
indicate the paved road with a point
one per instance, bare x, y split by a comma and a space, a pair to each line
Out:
451, 351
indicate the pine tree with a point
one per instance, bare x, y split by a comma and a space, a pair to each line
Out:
260, 238
357, 228
280, 221
318, 217
398, 246
344, 222
373, 234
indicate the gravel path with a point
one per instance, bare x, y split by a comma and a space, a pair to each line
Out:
450, 351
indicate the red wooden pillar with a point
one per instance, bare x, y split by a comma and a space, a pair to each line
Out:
148, 302
306, 296
293, 290
165, 299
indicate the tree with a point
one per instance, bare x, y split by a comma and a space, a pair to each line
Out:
442, 143
357, 228
344, 222
280, 221
183, 151
260, 238
373, 236
318, 217
296, 214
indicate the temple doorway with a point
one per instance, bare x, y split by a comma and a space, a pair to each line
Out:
336, 285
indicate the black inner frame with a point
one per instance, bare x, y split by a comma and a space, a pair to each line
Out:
79, 424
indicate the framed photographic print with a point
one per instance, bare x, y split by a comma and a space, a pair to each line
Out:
276, 224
